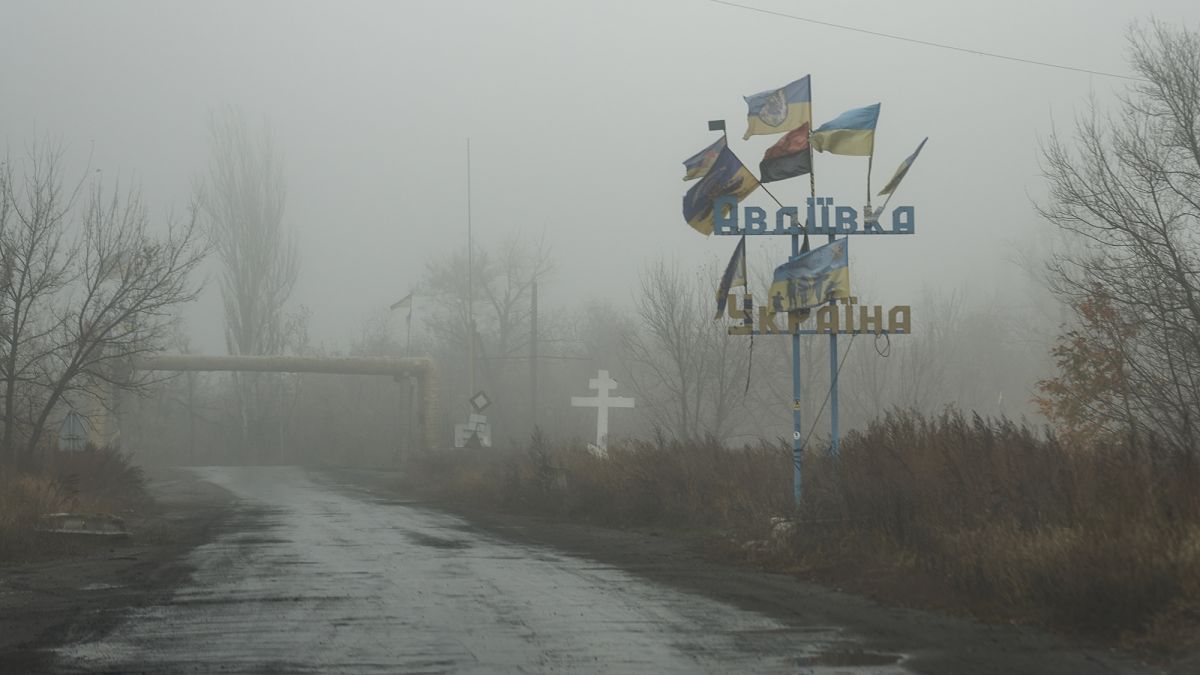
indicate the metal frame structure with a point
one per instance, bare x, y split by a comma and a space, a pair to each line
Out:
421, 369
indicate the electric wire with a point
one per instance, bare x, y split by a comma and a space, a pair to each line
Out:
929, 43
887, 345
828, 393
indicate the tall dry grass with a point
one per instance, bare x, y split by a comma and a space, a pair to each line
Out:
641, 483
96, 481
1106, 540
23, 499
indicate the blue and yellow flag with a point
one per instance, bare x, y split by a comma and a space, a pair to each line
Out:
812, 279
726, 176
902, 170
851, 133
698, 164
779, 110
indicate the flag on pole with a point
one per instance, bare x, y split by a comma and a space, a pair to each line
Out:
726, 176
901, 171
788, 158
698, 164
735, 275
406, 301
812, 279
851, 133
779, 110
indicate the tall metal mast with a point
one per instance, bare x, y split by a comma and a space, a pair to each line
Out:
470, 279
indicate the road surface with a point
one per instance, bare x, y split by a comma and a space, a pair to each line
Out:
317, 577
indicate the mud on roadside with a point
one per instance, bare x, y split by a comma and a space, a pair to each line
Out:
82, 593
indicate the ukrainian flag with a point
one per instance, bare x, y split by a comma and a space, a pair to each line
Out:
726, 176
698, 164
812, 279
902, 171
779, 110
851, 133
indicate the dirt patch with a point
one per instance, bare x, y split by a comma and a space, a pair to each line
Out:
82, 591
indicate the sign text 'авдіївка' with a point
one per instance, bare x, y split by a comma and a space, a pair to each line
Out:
821, 217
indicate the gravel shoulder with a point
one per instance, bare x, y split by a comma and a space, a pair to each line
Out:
83, 594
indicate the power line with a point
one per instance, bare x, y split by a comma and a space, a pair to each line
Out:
927, 43
828, 392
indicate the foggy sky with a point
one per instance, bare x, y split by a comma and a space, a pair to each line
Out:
579, 114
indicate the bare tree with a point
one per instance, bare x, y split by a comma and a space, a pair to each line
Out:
1126, 193
121, 303
242, 198
79, 304
683, 365
37, 264
504, 276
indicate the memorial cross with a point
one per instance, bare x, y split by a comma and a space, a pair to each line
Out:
603, 384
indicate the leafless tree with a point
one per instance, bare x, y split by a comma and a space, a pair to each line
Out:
688, 372
1126, 193
503, 279
37, 264
242, 197
80, 303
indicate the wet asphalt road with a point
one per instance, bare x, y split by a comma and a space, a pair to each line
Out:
314, 577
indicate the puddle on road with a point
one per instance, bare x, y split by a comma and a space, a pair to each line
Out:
422, 539
256, 540
850, 658
396, 501
100, 587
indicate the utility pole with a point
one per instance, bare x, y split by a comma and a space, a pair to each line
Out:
470, 280
533, 356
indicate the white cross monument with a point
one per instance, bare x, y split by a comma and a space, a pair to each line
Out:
603, 384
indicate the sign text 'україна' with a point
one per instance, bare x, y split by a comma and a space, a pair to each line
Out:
845, 318
822, 217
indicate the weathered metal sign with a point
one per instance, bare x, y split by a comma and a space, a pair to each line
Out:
821, 216
848, 318
72, 435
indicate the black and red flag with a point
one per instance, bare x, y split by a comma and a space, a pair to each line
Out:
788, 158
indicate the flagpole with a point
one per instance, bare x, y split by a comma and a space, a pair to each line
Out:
797, 435
834, 431
870, 160
408, 338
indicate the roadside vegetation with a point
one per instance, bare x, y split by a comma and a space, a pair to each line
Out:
94, 481
88, 284
984, 516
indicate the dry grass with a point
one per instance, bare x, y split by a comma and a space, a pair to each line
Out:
97, 481
670, 484
1105, 541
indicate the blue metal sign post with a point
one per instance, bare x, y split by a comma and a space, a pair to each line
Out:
797, 434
